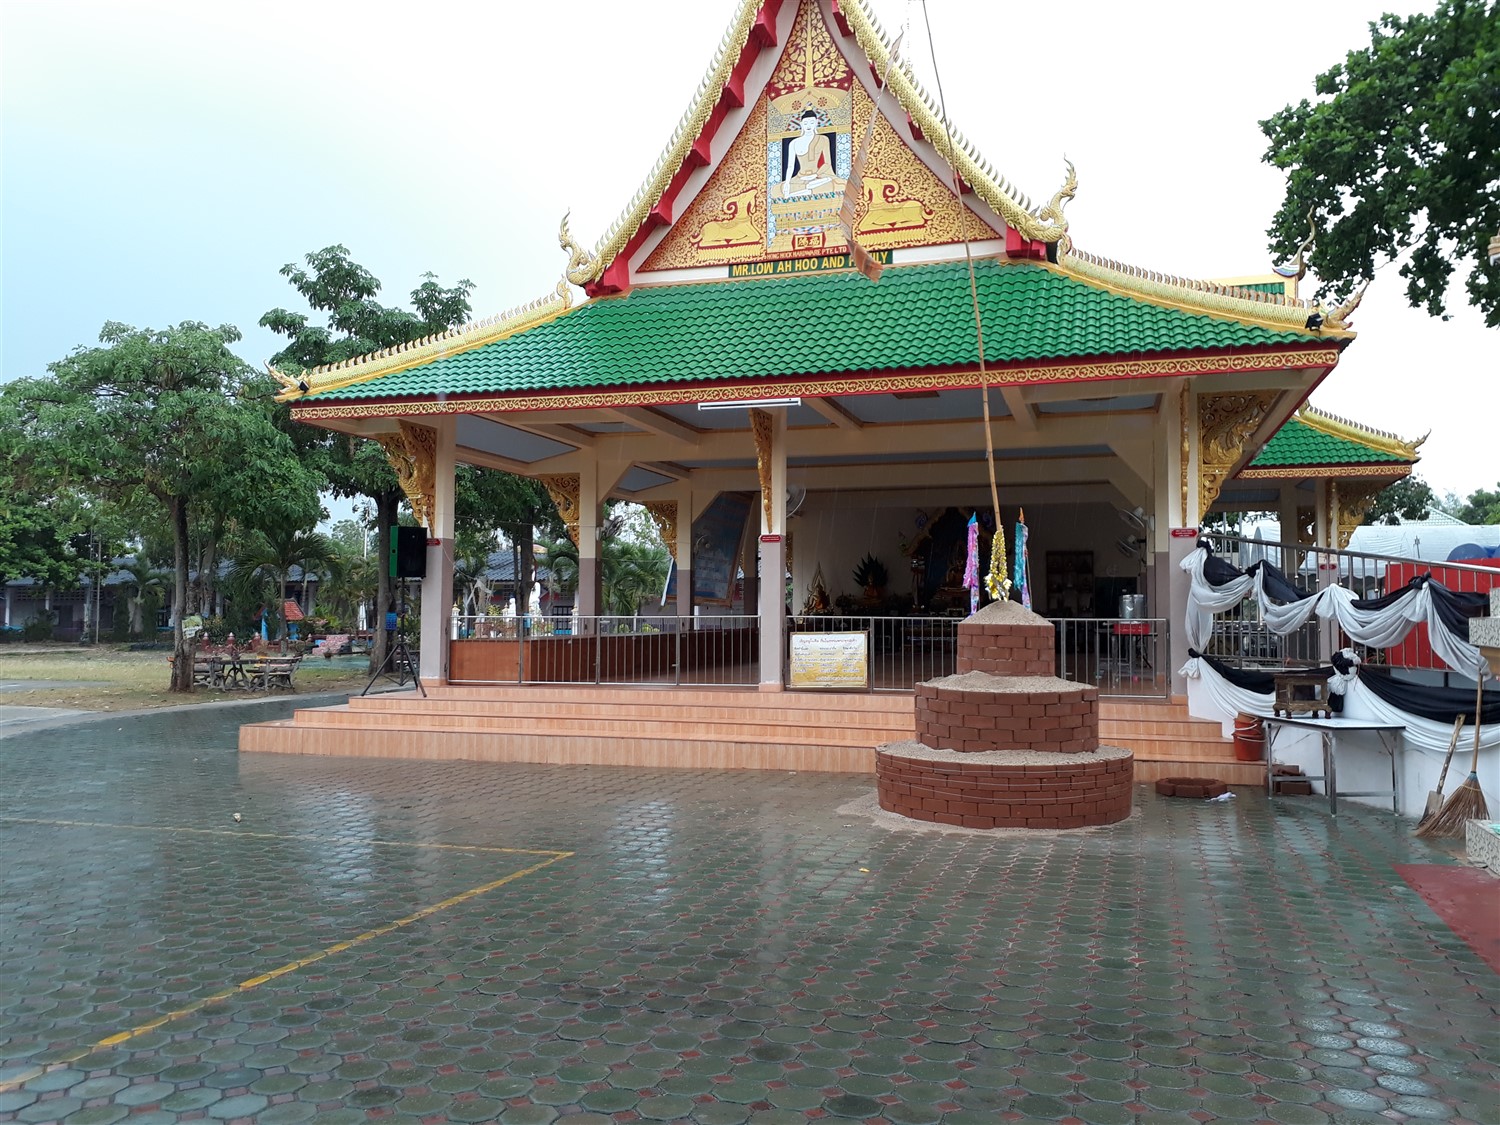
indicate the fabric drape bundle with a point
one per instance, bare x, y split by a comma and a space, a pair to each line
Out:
1216, 586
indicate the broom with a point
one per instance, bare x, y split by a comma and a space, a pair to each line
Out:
1435, 796
1467, 802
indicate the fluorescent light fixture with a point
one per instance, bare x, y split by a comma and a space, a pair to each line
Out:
749, 403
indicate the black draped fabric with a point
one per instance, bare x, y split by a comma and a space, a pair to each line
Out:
1453, 609
1277, 585
1216, 571
1440, 704
1262, 683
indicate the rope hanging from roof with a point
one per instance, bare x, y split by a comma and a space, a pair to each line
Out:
997, 582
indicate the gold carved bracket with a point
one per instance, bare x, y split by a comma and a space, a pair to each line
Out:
564, 489
412, 452
762, 428
663, 514
1352, 501
1225, 422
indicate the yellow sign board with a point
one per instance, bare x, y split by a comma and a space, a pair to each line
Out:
831, 661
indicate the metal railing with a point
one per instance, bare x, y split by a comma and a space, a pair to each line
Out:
702, 651
1241, 637
904, 651
1120, 657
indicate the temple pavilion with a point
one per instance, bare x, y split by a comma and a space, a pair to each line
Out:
780, 335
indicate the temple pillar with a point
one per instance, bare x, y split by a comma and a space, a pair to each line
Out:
589, 530
437, 586
1181, 530
769, 430
674, 523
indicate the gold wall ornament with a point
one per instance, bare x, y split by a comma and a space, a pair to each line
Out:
663, 514
1354, 502
564, 489
762, 428
582, 266
1225, 421
412, 452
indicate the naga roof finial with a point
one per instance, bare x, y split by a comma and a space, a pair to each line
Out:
1053, 212
1297, 268
1342, 314
580, 269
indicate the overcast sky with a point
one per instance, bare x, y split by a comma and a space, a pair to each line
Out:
162, 160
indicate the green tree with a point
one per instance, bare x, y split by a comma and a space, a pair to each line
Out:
1399, 156
356, 324
1482, 506
170, 423
1410, 498
145, 581
270, 556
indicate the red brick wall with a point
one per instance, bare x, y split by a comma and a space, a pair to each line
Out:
978, 795
1063, 720
1006, 650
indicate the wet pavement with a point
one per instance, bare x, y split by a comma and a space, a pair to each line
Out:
404, 942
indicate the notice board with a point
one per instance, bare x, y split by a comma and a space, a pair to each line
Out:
830, 661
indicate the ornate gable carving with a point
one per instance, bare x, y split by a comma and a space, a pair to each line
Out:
777, 192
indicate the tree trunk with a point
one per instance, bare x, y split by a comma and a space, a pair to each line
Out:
182, 653
387, 505
285, 625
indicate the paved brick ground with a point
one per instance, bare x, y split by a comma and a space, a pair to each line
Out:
681, 946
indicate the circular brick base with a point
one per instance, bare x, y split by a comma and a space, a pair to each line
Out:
976, 711
1005, 788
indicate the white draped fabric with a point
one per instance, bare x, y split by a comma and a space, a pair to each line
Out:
1359, 703
1382, 628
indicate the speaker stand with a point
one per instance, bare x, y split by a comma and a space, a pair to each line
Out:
398, 664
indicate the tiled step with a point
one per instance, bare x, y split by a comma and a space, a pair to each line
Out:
724, 728
686, 725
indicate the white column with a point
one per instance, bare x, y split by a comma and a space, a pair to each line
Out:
1182, 533
437, 586
8, 593
589, 502
683, 498
773, 563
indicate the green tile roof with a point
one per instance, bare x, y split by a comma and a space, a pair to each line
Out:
1297, 443
916, 316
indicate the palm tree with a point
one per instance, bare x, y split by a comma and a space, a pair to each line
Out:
269, 556
145, 578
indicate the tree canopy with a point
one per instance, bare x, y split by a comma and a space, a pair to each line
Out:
167, 422
1410, 498
1482, 506
1399, 156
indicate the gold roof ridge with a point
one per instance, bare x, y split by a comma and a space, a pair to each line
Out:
414, 353
1337, 426
1273, 310
1042, 224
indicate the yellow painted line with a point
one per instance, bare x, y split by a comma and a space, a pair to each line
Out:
278, 836
290, 967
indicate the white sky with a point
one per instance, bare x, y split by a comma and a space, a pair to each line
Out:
163, 159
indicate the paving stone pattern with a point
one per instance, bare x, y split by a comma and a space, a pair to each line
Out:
719, 948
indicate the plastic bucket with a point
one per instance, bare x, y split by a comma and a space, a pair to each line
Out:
1249, 738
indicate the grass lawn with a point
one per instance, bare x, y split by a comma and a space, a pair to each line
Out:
113, 679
